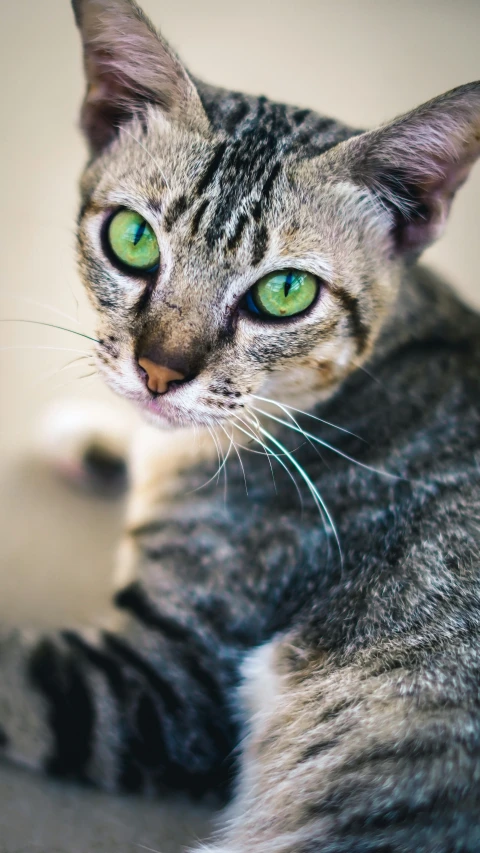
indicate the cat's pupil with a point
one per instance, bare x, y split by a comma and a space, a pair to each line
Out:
288, 283
140, 233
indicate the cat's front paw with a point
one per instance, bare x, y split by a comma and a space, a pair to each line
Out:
86, 443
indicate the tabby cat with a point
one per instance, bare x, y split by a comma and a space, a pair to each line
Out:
307, 638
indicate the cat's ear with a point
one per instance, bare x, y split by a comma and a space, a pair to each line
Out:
416, 164
129, 65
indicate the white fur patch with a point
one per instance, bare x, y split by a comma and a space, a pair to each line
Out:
262, 682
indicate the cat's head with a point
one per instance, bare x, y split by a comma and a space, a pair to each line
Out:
233, 246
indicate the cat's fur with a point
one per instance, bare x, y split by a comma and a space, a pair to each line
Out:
357, 727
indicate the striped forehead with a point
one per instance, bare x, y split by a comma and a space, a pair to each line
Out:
236, 173
255, 137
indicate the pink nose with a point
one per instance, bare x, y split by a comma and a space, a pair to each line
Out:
159, 377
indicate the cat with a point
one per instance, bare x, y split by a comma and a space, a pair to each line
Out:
304, 641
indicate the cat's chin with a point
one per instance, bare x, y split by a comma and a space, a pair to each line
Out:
167, 416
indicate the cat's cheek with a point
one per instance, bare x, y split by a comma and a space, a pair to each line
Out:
314, 378
122, 377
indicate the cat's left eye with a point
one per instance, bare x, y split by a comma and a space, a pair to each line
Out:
282, 294
132, 241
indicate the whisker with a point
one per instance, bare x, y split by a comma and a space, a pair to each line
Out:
215, 441
370, 375
328, 446
320, 503
49, 325
225, 470
242, 467
308, 415
221, 466
236, 447
35, 347
67, 366
268, 457
269, 452
86, 375
299, 429
51, 308
251, 450
222, 454
74, 361
124, 129
75, 379
72, 292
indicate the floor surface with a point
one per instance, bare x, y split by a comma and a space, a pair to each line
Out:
53, 521
41, 816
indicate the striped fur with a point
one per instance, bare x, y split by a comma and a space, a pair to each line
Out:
311, 646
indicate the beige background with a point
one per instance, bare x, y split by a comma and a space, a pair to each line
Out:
361, 60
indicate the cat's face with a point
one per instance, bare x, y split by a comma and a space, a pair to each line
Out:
218, 234
234, 246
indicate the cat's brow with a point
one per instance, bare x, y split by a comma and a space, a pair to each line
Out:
212, 168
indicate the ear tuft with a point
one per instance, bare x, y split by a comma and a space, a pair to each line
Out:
416, 164
129, 65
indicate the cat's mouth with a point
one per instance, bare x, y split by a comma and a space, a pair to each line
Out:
179, 408
182, 405
165, 410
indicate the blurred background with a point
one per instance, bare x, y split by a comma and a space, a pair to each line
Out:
361, 60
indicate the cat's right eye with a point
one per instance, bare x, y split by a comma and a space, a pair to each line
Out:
132, 241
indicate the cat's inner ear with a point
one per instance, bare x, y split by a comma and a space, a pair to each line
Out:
415, 164
129, 65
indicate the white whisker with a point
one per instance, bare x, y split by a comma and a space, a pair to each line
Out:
51, 308
369, 374
320, 503
232, 444
77, 305
308, 415
242, 467
299, 429
268, 455
221, 465
74, 362
217, 448
221, 461
271, 453
225, 460
86, 375
35, 347
328, 446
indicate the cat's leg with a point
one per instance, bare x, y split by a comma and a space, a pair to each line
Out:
365, 755
145, 700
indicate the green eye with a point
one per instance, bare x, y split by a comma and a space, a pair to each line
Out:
132, 240
282, 294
